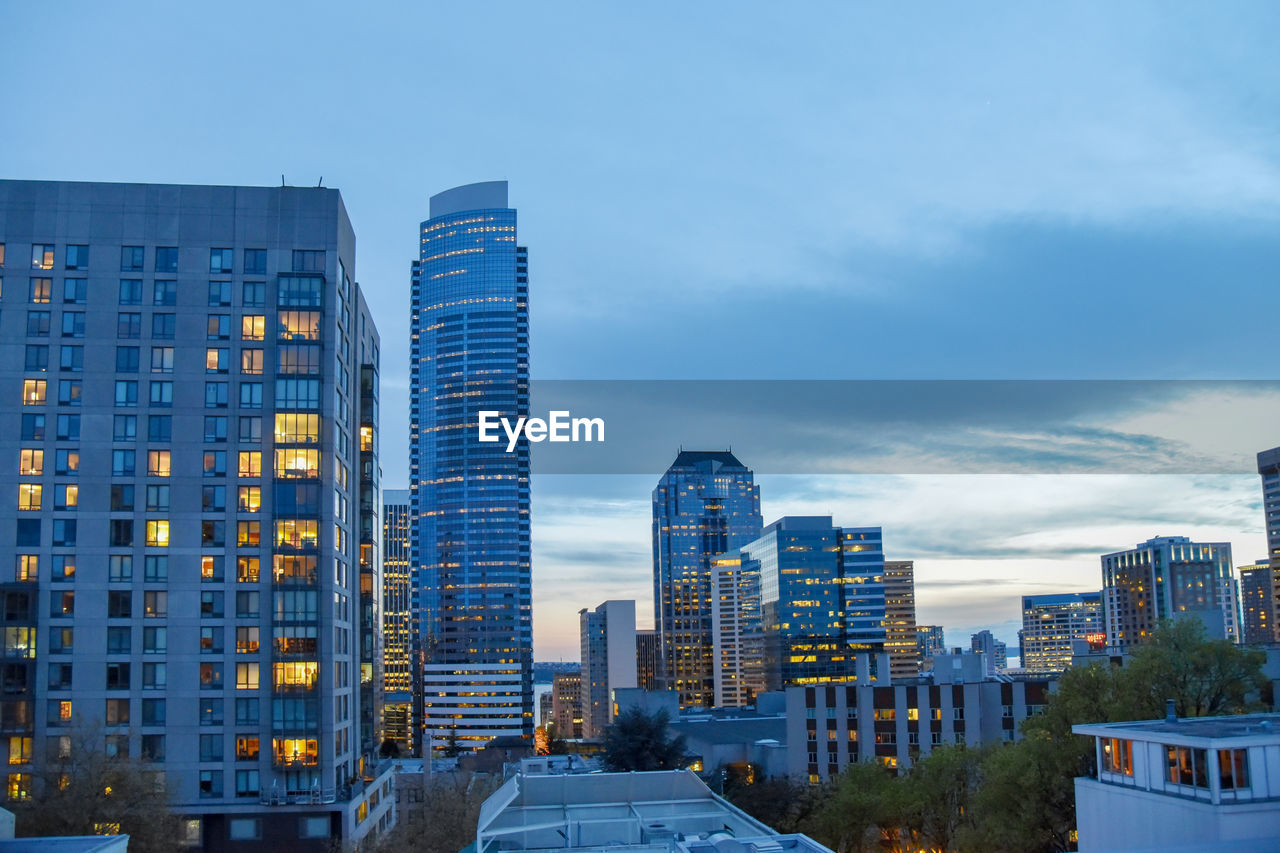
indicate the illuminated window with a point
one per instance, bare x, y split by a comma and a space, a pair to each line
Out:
253, 327
41, 290
294, 674
29, 495
33, 392
297, 533
158, 533
366, 439
247, 641
217, 360
251, 361
295, 752
248, 534
294, 568
299, 325
31, 463
292, 428
248, 569
19, 750
27, 568
247, 748
158, 463
247, 674
19, 786
297, 463
250, 498
251, 463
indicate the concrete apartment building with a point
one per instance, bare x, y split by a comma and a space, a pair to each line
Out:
189, 533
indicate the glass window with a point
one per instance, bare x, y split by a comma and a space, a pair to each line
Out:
299, 359
29, 496
162, 359
217, 359
255, 261
251, 429
215, 395
42, 256
158, 463
126, 359
162, 393
66, 462
31, 462
41, 290
128, 326
248, 534
33, 392
219, 294
157, 498
159, 427
131, 258
253, 327
33, 427
77, 257
211, 569
73, 324
124, 428
119, 568
165, 293
215, 428
69, 391
66, 496
251, 362
220, 260
130, 291
299, 325
213, 534
219, 327
249, 499
75, 291
163, 326
215, 463
37, 324
36, 358
126, 392
213, 498
250, 463
251, 395
308, 260
297, 291
297, 393
155, 603
253, 294
166, 259
297, 463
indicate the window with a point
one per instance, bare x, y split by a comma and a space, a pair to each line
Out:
213, 498
297, 463
248, 604
68, 428
255, 261
211, 783
77, 257
219, 294
30, 462
165, 293
60, 677
299, 359
153, 712
159, 427
1233, 768
307, 261
118, 676
251, 463
42, 256
253, 327
211, 676
219, 327
247, 642
37, 324
128, 325
166, 259
246, 676
126, 359
33, 427
64, 567
124, 428
162, 394
211, 568
248, 534
64, 532
297, 393
69, 392
75, 291
61, 640
131, 258
41, 290
251, 362
26, 568
299, 325
155, 604
155, 640
152, 745
217, 360
36, 358
66, 496
62, 604
251, 429
29, 496
213, 534
119, 604
220, 260
210, 641
215, 463
121, 530
67, 462
163, 326
253, 294
126, 392
296, 291
73, 324
1187, 766
155, 568
216, 395
71, 358
251, 395
119, 568
247, 571
33, 392
155, 676
249, 499
157, 533
162, 359
117, 712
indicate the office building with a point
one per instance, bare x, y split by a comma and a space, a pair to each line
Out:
1054, 625
705, 505
929, 642
566, 704
1258, 603
399, 709
469, 352
830, 726
994, 651
648, 658
1168, 577
608, 661
737, 637
1269, 470
900, 618
822, 598
191, 505
1200, 785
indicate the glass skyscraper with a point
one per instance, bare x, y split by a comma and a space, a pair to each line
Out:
470, 543
1053, 625
706, 504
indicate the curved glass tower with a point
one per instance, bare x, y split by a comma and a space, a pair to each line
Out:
470, 542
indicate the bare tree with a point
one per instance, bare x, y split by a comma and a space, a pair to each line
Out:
444, 820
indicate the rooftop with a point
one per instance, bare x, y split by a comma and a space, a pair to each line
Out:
690, 458
1241, 729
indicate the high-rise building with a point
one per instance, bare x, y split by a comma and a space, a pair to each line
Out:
705, 505
648, 659
398, 658
1258, 603
469, 353
192, 378
608, 636
1053, 625
995, 651
1269, 470
1168, 577
900, 618
737, 633
822, 598
566, 704
929, 642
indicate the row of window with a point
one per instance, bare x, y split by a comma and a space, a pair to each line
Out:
290, 428
291, 325
297, 569
293, 534
293, 291
289, 393
133, 259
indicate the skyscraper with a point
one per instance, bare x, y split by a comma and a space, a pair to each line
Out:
191, 379
469, 353
1053, 625
900, 618
737, 633
1269, 470
822, 599
648, 658
608, 638
1164, 578
706, 504
398, 710
1258, 602
996, 652
929, 642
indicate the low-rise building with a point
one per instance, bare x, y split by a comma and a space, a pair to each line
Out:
1205, 784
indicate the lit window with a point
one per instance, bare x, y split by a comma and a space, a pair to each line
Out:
300, 674
247, 569
251, 361
29, 495
250, 498
292, 428
158, 533
295, 752
248, 534
253, 327
297, 533
42, 256
158, 463
246, 674
251, 463
31, 463
41, 290
299, 325
297, 463
33, 392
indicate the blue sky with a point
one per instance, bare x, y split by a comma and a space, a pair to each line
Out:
750, 191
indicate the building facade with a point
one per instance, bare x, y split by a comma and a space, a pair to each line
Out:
1168, 577
995, 652
822, 598
1269, 470
1258, 603
608, 636
929, 642
900, 618
705, 505
400, 671
470, 548
1054, 624
566, 704
737, 633
191, 502
648, 658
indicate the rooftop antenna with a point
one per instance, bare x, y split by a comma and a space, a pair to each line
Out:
282, 179
320, 182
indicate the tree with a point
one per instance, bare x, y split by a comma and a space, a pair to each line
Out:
780, 803
78, 789
939, 791
389, 749
1203, 677
637, 741
452, 748
445, 820
856, 810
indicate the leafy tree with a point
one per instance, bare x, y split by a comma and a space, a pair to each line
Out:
855, 809
445, 819
1204, 677
780, 803
80, 790
938, 793
637, 741
389, 749
452, 748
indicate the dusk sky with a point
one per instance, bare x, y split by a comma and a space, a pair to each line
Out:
761, 191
